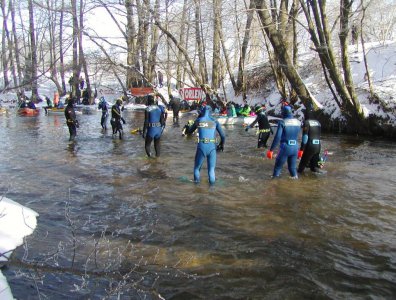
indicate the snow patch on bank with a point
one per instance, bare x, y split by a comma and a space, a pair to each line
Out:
16, 222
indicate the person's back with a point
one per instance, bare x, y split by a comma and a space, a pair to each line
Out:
49, 102
245, 111
103, 105
116, 112
287, 135
71, 119
207, 127
310, 144
175, 105
154, 122
105, 112
31, 105
116, 118
264, 130
231, 111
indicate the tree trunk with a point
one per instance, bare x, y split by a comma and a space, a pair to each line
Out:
61, 56
33, 51
216, 62
4, 54
154, 46
83, 62
76, 69
142, 12
278, 43
182, 35
16, 45
133, 77
323, 45
227, 61
345, 9
368, 75
201, 57
241, 85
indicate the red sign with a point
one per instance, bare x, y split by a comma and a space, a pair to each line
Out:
191, 94
141, 91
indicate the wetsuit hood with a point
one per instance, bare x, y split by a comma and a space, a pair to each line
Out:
151, 100
308, 114
206, 111
287, 112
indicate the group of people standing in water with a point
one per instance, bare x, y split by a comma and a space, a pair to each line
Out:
207, 127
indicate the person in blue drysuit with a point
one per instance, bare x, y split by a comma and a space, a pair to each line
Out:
310, 144
286, 135
206, 147
104, 106
154, 124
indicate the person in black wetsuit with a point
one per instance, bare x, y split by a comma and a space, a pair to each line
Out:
264, 127
104, 106
71, 120
174, 103
116, 118
49, 104
310, 144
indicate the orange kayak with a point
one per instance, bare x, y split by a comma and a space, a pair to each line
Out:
28, 112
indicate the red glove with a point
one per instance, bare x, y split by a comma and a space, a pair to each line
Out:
300, 153
270, 154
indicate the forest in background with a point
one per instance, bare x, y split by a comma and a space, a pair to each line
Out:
193, 43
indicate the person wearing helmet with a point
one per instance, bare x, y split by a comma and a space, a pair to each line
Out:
71, 120
206, 147
187, 127
264, 130
154, 123
116, 118
286, 136
310, 144
104, 106
174, 103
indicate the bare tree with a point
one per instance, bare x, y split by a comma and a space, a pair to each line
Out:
33, 52
320, 35
216, 62
4, 42
278, 43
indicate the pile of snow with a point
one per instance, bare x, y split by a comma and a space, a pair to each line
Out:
16, 222
381, 60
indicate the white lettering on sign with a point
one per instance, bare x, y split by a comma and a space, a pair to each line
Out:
191, 93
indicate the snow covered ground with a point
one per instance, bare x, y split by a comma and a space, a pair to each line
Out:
381, 59
382, 65
16, 222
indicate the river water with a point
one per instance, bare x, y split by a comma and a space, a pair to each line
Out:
115, 224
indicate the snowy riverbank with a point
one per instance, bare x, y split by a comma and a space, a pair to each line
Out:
16, 222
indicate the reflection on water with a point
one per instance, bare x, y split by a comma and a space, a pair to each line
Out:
103, 203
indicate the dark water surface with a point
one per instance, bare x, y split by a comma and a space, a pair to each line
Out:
115, 224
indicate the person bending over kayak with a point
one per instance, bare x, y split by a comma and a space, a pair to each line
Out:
206, 147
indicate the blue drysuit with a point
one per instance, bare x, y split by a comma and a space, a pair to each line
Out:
286, 135
154, 122
206, 147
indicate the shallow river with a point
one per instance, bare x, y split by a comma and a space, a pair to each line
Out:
115, 224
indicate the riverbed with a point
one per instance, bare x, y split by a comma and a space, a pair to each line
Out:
116, 224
